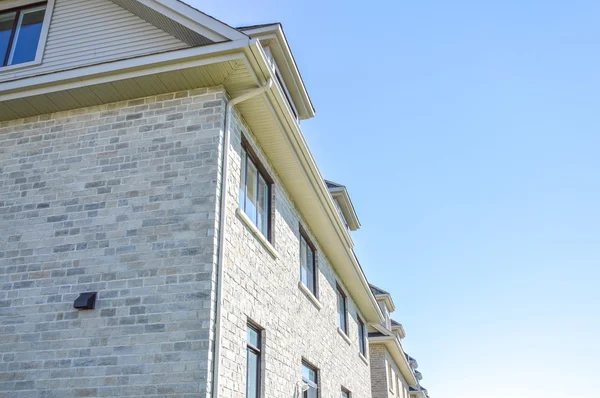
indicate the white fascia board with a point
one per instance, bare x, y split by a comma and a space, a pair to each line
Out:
346, 206
388, 301
195, 20
400, 329
397, 353
285, 58
258, 62
139, 66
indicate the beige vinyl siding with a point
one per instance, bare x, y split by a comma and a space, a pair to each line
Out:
87, 32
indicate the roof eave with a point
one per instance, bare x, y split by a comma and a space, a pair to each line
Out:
347, 207
395, 349
195, 19
388, 301
341, 251
302, 101
400, 329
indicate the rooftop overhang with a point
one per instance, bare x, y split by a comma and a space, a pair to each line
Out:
279, 134
399, 329
392, 344
387, 300
272, 35
418, 393
178, 70
238, 66
340, 194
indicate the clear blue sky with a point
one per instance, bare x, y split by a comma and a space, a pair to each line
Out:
468, 134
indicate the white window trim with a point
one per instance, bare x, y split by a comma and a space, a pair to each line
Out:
7, 5
344, 336
242, 215
310, 296
364, 358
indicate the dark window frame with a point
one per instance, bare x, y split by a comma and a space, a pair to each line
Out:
18, 11
258, 352
315, 369
262, 171
340, 292
362, 336
347, 392
304, 236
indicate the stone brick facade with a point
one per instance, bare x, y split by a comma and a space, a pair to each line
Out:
381, 360
118, 199
123, 199
264, 288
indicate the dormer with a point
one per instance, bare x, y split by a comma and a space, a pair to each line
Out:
386, 304
413, 362
283, 65
398, 329
344, 205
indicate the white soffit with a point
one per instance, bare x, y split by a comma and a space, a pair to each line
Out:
279, 134
273, 36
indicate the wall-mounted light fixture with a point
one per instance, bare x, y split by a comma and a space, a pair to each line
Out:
86, 301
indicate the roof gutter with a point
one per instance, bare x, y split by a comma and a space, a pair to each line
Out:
395, 349
222, 224
292, 128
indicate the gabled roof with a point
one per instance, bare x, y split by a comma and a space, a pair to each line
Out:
181, 20
272, 35
397, 327
341, 196
413, 362
382, 295
377, 291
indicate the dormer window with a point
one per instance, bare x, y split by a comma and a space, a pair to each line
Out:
20, 31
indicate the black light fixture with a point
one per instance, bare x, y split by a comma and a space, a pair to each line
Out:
86, 301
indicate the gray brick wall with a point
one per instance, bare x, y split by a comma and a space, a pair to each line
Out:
123, 199
379, 379
380, 358
265, 290
118, 199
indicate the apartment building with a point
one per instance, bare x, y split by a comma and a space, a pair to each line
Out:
394, 373
165, 229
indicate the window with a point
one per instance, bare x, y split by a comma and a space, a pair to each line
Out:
362, 341
253, 351
308, 274
345, 393
310, 376
255, 191
391, 377
342, 311
20, 31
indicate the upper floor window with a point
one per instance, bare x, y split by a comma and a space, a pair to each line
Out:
255, 191
253, 353
342, 310
308, 274
391, 377
345, 393
362, 341
310, 377
20, 31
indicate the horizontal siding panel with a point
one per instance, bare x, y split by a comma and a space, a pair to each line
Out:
117, 53
88, 32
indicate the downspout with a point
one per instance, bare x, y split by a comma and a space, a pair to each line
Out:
222, 217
